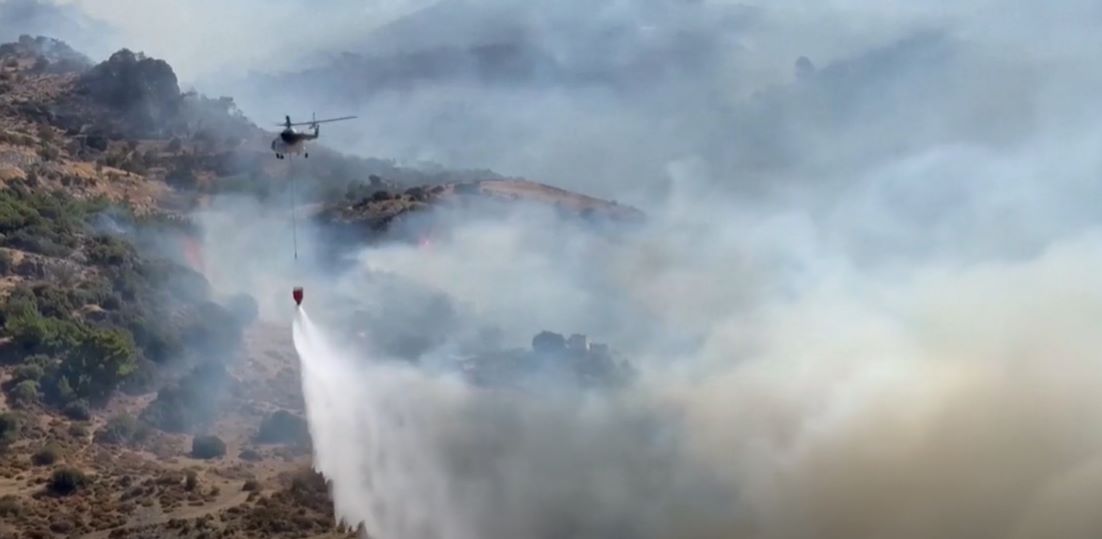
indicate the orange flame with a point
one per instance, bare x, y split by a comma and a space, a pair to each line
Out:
193, 253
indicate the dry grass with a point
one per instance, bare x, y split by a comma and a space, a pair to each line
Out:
146, 487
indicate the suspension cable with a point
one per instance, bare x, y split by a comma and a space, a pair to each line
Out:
294, 218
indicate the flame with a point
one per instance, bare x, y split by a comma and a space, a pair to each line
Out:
193, 254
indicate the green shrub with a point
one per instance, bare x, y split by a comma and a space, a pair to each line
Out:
207, 447
77, 410
54, 302
28, 373
9, 429
41, 221
40, 335
106, 250
25, 393
101, 359
67, 481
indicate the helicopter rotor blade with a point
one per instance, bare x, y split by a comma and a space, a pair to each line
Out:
341, 119
315, 122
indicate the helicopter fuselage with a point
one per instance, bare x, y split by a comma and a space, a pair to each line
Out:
291, 142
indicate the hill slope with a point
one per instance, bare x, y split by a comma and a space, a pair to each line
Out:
117, 361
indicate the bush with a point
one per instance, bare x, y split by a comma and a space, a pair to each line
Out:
67, 481
191, 481
46, 456
95, 359
28, 373
250, 486
207, 447
101, 360
41, 221
106, 250
9, 429
25, 393
77, 411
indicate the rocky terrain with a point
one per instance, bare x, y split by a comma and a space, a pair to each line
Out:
135, 402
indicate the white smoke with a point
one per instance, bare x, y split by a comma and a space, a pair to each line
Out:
954, 402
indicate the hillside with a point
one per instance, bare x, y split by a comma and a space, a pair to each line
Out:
136, 402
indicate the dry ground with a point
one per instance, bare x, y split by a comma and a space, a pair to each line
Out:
145, 491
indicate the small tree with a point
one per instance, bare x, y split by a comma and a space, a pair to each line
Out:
99, 363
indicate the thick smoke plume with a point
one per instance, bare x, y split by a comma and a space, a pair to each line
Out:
953, 402
897, 342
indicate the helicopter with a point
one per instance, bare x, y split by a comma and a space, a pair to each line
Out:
291, 141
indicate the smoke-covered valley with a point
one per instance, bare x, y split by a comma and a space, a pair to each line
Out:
862, 302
